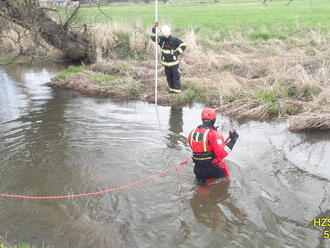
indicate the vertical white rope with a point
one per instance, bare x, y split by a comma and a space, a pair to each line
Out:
156, 52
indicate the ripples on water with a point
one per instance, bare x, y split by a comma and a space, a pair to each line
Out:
58, 142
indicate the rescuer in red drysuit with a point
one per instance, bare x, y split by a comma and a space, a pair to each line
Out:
209, 148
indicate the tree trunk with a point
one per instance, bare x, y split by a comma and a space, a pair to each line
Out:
29, 15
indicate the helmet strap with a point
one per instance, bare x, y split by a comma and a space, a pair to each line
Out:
208, 123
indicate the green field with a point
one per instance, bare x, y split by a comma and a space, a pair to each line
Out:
248, 17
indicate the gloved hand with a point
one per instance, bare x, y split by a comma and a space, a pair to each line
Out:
176, 53
233, 135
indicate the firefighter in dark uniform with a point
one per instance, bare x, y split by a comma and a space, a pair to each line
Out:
171, 48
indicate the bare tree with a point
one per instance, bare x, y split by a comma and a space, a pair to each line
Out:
31, 16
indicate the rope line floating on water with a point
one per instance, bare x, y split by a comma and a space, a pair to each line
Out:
126, 186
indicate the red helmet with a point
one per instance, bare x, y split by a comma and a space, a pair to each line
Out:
209, 114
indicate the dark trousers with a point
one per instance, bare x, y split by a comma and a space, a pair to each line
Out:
208, 171
173, 77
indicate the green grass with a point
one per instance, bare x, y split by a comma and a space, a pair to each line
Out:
266, 36
4, 60
227, 17
70, 70
267, 95
100, 78
273, 95
275, 109
130, 87
195, 92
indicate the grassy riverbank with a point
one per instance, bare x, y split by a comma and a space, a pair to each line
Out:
248, 60
246, 80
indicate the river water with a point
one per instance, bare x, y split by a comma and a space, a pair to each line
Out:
59, 142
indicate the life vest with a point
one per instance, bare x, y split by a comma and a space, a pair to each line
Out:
201, 146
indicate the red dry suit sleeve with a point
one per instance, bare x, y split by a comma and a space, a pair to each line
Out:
218, 146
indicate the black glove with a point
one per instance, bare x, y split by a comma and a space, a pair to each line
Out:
233, 135
233, 138
176, 53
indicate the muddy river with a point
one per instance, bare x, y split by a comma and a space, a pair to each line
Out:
59, 143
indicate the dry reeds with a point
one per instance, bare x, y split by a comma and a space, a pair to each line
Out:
291, 71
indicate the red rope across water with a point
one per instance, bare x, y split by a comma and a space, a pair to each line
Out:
126, 186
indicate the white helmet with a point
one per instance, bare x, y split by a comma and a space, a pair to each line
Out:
166, 31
